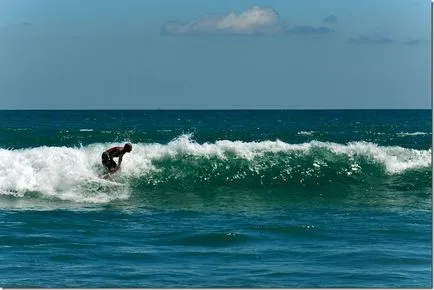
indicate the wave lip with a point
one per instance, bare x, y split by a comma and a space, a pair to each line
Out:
184, 163
395, 159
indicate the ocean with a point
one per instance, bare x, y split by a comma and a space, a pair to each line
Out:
224, 198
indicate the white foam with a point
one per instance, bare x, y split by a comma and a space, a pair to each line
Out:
403, 134
395, 159
307, 133
56, 172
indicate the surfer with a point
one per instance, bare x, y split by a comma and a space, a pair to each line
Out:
109, 154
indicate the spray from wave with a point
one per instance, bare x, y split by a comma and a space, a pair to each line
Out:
73, 173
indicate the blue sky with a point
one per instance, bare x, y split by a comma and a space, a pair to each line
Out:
208, 54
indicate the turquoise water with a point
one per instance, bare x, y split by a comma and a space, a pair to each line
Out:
217, 199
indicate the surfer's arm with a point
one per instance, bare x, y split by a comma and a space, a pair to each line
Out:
119, 162
118, 166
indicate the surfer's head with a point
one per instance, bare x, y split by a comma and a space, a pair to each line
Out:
128, 147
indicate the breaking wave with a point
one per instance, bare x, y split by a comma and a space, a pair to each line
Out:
72, 173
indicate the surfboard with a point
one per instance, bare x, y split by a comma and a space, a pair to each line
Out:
110, 182
107, 178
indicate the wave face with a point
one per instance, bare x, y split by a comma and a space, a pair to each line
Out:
72, 173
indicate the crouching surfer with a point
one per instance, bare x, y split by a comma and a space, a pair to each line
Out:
114, 152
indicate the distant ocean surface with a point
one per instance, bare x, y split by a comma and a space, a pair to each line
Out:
281, 198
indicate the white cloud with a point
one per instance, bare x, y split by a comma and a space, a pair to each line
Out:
255, 20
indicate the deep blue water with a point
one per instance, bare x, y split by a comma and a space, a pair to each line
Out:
217, 199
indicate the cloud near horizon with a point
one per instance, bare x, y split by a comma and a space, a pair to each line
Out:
412, 42
368, 39
307, 29
331, 19
380, 40
255, 20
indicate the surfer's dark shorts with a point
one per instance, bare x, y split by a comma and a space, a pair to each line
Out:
107, 161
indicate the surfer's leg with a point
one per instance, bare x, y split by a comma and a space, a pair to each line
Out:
112, 164
105, 160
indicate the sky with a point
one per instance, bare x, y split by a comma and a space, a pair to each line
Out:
209, 54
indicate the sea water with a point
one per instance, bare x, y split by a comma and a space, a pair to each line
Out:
280, 198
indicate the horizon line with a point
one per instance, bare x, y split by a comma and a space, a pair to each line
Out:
217, 109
